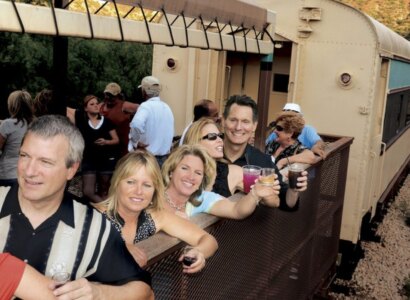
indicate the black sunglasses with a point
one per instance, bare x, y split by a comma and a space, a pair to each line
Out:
213, 136
279, 128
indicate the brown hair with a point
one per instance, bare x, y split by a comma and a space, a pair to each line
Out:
291, 122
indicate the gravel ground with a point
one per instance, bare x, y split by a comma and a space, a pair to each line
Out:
386, 265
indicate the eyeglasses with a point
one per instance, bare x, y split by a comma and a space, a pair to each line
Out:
213, 136
279, 128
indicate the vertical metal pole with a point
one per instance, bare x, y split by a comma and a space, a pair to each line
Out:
60, 68
265, 79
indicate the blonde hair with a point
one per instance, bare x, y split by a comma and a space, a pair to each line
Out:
20, 106
193, 135
178, 155
124, 168
292, 122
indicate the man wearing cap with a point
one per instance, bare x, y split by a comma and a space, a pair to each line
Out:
308, 137
152, 127
118, 111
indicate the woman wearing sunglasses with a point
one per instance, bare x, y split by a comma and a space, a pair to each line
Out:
229, 177
284, 148
189, 173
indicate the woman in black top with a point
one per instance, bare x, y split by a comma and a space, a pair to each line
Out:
100, 152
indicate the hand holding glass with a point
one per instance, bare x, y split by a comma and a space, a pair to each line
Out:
250, 174
188, 260
267, 176
295, 171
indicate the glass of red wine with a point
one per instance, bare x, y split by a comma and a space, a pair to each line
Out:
188, 259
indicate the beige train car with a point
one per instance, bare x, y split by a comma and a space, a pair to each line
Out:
349, 73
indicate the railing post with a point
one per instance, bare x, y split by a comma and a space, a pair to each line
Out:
265, 79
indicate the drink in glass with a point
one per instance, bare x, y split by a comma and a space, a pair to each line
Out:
250, 174
267, 176
188, 260
295, 171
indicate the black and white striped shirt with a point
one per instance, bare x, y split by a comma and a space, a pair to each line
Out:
76, 236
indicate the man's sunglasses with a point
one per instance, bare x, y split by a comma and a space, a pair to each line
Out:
213, 136
279, 128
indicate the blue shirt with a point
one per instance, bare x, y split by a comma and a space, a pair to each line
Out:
308, 137
207, 199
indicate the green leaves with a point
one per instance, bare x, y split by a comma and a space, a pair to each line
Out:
26, 63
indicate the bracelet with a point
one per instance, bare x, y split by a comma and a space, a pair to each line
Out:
258, 199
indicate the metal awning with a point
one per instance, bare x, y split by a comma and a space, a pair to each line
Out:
231, 25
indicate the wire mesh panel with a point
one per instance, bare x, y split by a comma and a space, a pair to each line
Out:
272, 254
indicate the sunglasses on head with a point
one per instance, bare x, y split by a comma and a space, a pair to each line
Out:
279, 128
213, 136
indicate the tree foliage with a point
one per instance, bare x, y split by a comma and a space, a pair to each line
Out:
395, 14
26, 63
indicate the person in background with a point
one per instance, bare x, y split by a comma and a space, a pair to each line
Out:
204, 108
44, 226
12, 131
43, 103
100, 152
152, 127
189, 173
308, 137
119, 112
239, 121
135, 206
22, 281
286, 148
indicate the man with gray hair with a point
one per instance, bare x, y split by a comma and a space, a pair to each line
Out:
152, 127
44, 226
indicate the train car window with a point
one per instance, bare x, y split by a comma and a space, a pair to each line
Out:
280, 83
397, 116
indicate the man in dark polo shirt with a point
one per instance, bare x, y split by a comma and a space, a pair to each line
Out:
239, 121
45, 227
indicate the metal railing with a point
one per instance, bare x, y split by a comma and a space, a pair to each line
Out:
270, 255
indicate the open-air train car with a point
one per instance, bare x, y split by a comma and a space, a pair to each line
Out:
349, 73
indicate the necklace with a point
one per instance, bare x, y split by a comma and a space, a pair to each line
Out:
173, 205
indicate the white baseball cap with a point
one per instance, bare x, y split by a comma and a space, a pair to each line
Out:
292, 107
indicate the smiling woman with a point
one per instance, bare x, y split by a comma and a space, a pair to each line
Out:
135, 207
188, 175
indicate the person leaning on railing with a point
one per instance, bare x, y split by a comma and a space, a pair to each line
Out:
239, 122
308, 137
286, 148
135, 206
189, 171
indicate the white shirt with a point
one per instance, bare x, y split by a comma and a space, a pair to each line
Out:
184, 133
153, 125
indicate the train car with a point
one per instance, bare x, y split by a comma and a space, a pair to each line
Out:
349, 73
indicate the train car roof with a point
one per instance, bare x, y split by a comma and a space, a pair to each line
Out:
391, 44
247, 28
